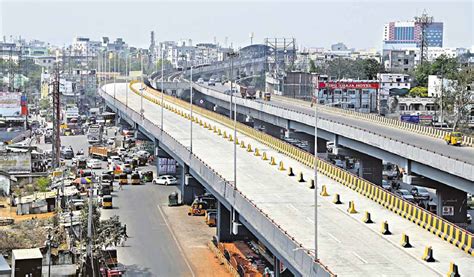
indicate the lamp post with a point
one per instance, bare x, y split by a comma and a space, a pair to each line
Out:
126, 79
141, 85
115, 69
316, 95
231, 56
48, 242
162, 87
191, 107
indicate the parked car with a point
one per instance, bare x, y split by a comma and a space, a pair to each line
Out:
406, 195
165, 180
114, 159
211, 82
200, 81
420, 193
94, 164
387, 185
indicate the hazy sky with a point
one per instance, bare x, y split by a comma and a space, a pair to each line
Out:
359, 24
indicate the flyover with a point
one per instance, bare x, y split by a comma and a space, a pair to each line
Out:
279, 210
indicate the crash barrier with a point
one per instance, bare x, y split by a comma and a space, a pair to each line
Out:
419, 129
222, 259
455, 235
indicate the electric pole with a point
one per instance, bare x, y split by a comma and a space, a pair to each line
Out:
56, 118
423, 21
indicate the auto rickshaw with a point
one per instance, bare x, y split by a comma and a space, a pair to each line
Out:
198, 208
453, 138
135, 179
173, 199
105, 189
123, 179
211, 218
107, 202
147, 176
134, 163
81, 163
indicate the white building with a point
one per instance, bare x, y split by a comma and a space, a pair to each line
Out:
85, 47
393, 81
436, 86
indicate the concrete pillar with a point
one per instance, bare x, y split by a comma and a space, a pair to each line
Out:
370, 168
276, 267
190, 187
270, 129
452, 204
224, 223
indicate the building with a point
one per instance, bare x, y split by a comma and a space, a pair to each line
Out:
394, 81
294, 84
357, 95
339, 47
408, 34
27, 262
399, 61
83, 46
438, 85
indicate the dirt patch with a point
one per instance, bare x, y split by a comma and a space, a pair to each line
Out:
193, 235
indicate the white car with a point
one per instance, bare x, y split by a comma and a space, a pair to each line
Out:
165, 180
114, 159
94, 164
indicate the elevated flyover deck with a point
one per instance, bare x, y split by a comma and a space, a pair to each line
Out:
417, 150
347, 246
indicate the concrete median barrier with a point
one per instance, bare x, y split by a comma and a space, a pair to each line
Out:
428, 255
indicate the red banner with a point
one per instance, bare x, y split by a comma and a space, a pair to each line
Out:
349, 85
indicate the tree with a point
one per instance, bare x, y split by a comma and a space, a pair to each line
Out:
418, 92
312, 66
370, 68
442, 66
43, 184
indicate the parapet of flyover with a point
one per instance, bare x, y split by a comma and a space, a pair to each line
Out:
428, 221
417, 149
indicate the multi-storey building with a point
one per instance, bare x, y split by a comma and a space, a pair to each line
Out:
408, 34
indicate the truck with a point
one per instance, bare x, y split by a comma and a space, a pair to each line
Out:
248, 92
101, 152
94, 133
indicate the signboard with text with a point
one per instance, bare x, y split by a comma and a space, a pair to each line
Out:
10, 104
15, 162
349, 85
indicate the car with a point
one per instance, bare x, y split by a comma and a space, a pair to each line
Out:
165, 180
200, 81
386, 185
470, 201
217, 80
110, 141
94, 164
406, 195
469, 218
114, 159
420, 193
211, 82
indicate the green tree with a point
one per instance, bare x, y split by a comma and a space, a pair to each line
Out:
312, 66
370, 68
43, 183
418, 92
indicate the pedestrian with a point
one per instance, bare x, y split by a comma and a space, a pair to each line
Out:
120, 185
125, 231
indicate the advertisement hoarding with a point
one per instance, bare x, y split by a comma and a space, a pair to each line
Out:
13, 162
10, 104
349, 85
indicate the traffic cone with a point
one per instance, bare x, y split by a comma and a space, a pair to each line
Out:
290, 171
384, 230
428, 255
272, 161
337, 199
300, 178
367, 218
249, 148
453, 270
256, 152
264, 157
351, 208
405, 241
324, 191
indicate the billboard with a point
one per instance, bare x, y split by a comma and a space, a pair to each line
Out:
15, 162
349, 85
10, 104
410, 118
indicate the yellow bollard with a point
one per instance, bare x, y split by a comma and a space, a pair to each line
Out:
300, 178
290, 172
225, 134
324, 191
264, 157
311, 184
205, 125
337, 199
257, 153
210, 127
237, 140
219, 133
272, 161
367, 218
351, 208
428, 255
200, 122
242, 144
453, 270
384, 230
281, 167
230, 138
215, 129
249, 148
405, 243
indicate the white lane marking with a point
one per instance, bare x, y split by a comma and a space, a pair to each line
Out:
360, 258
309, 220
334, 238
176, 240
292, 207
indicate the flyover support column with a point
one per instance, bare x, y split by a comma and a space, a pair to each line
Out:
224, 224
452, 204
189, 186
370, 168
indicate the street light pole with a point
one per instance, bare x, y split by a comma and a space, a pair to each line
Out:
115, 69
162, 88
316, 176
191, 107
126, 79
141, 90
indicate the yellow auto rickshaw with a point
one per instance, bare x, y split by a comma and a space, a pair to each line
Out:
135, 179
107, 202
123, 179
